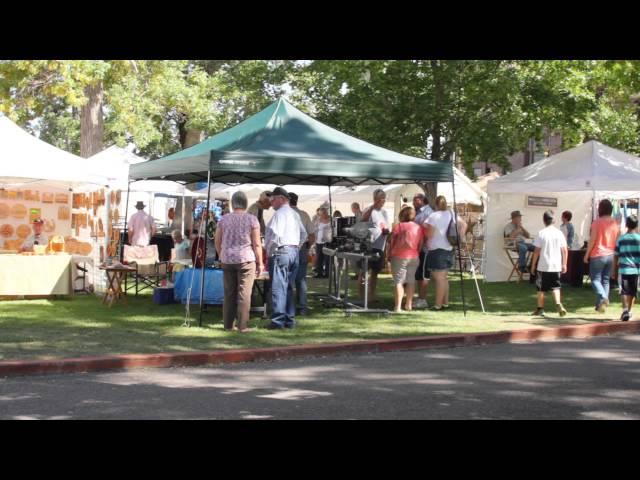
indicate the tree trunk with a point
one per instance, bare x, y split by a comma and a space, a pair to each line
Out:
188, 138
92, 121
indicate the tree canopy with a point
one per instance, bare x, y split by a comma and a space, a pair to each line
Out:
470, 110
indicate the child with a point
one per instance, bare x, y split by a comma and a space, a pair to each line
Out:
627, 260
551, 248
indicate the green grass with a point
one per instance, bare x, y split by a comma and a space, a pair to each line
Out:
82, 326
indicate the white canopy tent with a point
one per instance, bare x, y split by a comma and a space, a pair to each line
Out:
25, 160
576, 178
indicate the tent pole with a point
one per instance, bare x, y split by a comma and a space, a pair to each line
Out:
126, 217
455, 221
205, 218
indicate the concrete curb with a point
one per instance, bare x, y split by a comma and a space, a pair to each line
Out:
120, 362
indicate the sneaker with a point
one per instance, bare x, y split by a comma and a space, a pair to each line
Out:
602, 308
625, 316
420, 303
561, 310
538, 312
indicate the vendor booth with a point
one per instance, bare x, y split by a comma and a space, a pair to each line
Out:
574, 180
38, 180
282, 145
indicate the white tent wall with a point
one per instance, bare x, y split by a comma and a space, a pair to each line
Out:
499, 210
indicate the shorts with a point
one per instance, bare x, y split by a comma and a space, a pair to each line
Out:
422, 272
439, 260
375, 266
546, 281
404, 270
629, 285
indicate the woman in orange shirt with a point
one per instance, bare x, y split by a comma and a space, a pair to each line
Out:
600, 250
406, 243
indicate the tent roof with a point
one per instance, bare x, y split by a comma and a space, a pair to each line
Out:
114, 163
590, 166
25, 158
282, 145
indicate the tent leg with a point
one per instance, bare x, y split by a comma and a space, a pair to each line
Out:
205, 219
126, 215
455, 221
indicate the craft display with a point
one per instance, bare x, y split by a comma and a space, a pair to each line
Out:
6, 230
64, 213
23, 231
34, 213
13, 244
47, 197
62, 198
18, 211
49, 225
4, 210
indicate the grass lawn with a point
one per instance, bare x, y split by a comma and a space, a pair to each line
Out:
45, 329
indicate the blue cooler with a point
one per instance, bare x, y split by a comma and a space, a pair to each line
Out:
163, 295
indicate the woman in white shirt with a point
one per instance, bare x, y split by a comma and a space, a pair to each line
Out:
323, 236
440, 251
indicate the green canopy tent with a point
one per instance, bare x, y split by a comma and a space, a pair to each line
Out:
282, 145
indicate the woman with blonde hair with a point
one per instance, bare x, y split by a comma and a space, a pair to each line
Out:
406, 242
440, 251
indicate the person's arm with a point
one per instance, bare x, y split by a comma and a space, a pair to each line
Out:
524, 231
614, 271
366, 215
570, 234
590, 246
534, 260
218, 238
565, 255
257, 248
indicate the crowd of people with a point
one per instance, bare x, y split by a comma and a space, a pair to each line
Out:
609, 254
420, 251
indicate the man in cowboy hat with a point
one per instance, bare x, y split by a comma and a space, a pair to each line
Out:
515, 232
38, 238
141, 227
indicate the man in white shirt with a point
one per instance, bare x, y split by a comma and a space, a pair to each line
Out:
551, 254
423, 210
378, 219
38, 238
141, 227
303, 257
283, 237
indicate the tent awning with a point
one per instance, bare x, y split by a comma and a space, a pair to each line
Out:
282, 145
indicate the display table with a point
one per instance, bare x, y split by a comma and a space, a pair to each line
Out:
190, 278
115, 277
35, 275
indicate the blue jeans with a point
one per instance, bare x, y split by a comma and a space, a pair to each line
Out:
523, 248
301, 279
283, 268
599, 272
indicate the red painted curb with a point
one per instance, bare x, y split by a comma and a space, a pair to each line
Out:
119, 362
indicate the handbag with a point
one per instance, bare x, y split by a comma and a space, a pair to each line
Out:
452, 232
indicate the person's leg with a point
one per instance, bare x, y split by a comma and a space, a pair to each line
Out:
301, 280
606, 276
540, 298
408, 303
438, 278
292, 257
522, 255
246, 276
596, 266
279, 273
445, 288
319, 259
398, 293
230, 305
373, 283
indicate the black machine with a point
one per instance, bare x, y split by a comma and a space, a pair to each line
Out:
351, 236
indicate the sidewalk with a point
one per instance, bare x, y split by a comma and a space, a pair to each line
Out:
119, 362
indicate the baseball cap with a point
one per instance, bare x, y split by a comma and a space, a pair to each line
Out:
280, 191
38, 220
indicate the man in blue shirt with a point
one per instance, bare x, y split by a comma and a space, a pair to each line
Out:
627, 262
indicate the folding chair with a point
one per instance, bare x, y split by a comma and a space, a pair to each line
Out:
512, 254
149, 271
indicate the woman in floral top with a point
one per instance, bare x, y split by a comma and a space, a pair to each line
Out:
238, 244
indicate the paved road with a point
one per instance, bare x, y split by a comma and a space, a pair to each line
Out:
577, 379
